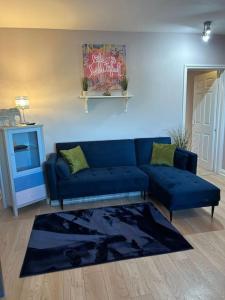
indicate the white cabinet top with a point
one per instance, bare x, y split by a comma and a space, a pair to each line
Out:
5, 128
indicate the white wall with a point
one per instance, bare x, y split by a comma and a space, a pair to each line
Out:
46, 65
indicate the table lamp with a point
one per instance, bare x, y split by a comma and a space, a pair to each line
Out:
22, 103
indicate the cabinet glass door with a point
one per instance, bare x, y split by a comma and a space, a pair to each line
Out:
26, 150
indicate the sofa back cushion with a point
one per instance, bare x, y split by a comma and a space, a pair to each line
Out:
144, 146
103, 154
181, 159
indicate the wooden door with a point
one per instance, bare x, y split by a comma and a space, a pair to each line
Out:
203, 120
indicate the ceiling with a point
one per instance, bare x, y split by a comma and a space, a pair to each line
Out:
114, 15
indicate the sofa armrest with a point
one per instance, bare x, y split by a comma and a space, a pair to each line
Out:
192, 160
50, 170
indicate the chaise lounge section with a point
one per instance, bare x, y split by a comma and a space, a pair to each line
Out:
176, 187
121, 166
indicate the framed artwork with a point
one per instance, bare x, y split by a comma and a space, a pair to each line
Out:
104, 65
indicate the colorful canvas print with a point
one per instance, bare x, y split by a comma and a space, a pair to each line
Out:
104, 65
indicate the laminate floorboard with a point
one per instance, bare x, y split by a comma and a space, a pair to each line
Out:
198, 274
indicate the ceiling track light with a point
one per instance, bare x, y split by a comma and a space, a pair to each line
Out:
205, 37
207, 31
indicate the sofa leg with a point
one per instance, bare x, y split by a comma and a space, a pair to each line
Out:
61, 203
171, 216
212, 211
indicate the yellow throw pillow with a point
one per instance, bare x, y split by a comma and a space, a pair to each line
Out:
75, 158
163, 154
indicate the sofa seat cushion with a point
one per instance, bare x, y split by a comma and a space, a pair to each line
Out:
101, 181
178, 189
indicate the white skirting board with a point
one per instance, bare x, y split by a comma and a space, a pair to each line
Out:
96, 198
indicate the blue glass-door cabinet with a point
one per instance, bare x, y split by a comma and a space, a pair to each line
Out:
21, 158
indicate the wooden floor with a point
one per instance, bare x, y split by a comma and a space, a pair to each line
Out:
194, 274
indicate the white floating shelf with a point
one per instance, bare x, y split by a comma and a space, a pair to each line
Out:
89, 97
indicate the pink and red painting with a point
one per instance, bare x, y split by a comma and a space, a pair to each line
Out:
104, 65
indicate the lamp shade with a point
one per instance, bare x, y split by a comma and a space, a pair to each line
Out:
22, 102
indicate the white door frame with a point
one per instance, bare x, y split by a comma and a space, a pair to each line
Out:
220, 125
221, 131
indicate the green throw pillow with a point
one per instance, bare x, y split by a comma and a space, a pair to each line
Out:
163, 154
75, 158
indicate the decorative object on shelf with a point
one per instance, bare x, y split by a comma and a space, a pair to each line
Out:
124, 85
87, 98
84, 86
9, 117
21, 157
181, 138
22, 102
104, 65
20, 147
107, 93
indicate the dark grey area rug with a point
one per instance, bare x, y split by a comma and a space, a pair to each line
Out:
73, 239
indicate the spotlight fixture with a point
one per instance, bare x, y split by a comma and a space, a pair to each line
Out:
205, 37
207, 31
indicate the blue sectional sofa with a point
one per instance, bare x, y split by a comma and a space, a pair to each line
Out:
120, 166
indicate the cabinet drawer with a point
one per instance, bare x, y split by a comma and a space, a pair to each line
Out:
30, 195
28, 181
